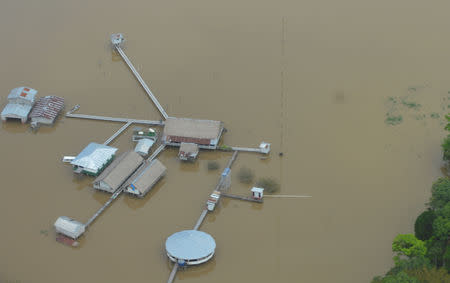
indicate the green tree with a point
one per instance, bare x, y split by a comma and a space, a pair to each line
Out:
446, 148
408, 245
430, 275
400, 277
440, 193
441, 228
435, 251
447, 260
423, 228
446, 143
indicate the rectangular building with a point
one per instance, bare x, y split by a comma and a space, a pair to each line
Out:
204, 133
46, 110
145, 178
20, 102
118, 172
93, 159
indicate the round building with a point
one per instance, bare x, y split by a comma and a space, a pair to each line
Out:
190, 247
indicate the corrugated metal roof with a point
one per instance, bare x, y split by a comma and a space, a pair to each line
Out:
143, 146
25, 93
183, 127
47, 107
146, 177
14, 110
120, 169
69, 227
190, 245
94, 156
189, 147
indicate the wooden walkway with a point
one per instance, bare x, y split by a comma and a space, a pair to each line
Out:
241, 197
123, 128
141, 81
114, 119
245, 149
202, 216
122, 187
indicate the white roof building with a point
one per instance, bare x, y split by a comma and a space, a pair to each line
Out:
20, 102
22, 95
69, 227
143, 146
190, 247
93, 159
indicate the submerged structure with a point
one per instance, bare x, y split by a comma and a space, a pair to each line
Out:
93, 159
143, 180
204, 133
190, 247
46, 110
118, 172
188, 151
20, 102
69, 227
143, 146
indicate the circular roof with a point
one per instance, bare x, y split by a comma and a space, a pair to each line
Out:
190, 245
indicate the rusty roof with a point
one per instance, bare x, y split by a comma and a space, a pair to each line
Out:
193, 128
47, 107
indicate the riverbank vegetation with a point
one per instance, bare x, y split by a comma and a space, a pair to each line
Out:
425, 256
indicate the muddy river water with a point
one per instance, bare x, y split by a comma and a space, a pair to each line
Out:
318, 79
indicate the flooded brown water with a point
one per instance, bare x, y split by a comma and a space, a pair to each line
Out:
317, 79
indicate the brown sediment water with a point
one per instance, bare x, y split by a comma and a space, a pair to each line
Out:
317, 79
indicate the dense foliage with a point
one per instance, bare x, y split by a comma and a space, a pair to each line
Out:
423, 228
425, 256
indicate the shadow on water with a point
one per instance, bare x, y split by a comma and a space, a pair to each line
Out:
15, 126
135, 203
193, 271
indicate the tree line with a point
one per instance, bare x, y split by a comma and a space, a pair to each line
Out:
424, 257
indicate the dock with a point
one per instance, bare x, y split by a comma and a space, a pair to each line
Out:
122, 188
243, 149
203, 214
241, 197
114, 119
123, 128
141, 81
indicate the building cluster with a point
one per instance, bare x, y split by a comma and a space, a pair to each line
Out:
22, 105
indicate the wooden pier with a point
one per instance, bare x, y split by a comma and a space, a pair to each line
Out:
114, 119
200, 219
241, 197
244, 149
141, 81
122, 187
108, 141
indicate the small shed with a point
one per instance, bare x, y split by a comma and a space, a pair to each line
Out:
188, 151
93, 159
204, 133
190, 247
20, 102
143, 146
257, 193
69, 227
144, 133
46, 110
145, 178
118, 172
